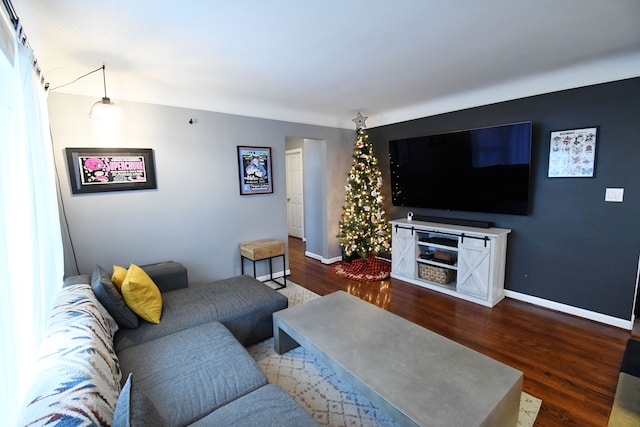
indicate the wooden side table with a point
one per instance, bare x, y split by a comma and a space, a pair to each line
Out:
268, 249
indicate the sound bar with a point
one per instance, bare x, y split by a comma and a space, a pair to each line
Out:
454, 221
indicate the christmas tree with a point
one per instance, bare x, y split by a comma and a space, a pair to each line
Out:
363, 227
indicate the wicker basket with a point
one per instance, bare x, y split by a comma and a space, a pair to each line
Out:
436, 274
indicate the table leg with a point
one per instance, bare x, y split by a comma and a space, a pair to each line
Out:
284, 270
270, 269
284, 273
282, 342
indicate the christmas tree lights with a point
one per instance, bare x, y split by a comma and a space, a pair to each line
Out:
363, 227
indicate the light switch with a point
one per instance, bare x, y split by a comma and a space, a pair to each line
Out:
614, 195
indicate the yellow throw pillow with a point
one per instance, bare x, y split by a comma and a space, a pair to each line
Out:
118, 276
142, 295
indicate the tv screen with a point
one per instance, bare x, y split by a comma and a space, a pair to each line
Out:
478, 170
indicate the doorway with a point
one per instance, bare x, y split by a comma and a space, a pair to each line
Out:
295, 192
306, 218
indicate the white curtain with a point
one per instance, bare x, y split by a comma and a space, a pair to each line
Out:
31, 254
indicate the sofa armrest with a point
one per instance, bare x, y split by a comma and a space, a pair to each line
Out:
76, 280
167, 275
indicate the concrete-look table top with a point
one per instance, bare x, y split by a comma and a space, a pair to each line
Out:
416, 376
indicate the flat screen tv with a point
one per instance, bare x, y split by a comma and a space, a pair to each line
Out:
477, 170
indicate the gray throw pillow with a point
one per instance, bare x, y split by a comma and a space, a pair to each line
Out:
111, 299
135, 409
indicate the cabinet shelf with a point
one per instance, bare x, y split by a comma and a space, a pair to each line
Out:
443, 242
449, 286
436, 245
438, 264
474, 257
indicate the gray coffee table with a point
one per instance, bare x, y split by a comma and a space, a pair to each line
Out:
418, 377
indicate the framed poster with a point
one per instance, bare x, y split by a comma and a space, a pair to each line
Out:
572, 153
254, 165
93, 170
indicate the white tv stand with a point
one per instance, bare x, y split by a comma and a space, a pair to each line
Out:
478, 258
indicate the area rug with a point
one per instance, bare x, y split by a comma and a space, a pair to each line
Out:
625, 411
330, 400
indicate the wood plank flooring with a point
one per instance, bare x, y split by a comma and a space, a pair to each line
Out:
570, 363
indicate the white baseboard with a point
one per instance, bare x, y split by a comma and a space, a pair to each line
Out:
276, 274
322, 259
312, 255
568, 309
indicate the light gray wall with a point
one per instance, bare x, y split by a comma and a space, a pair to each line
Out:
339, 162
196, 216
313, 197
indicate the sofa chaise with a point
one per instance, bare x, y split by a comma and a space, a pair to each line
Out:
100, 364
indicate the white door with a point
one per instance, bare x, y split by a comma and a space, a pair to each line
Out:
295, 206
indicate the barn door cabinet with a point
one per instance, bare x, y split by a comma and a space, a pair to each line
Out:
465, 262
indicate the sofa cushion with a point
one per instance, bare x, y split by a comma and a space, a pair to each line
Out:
243, 304
167, 275
111, 299
190, 373
118, 276
134, 408
142, 295
268, 406
77, 373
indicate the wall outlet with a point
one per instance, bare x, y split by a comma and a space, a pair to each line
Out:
614, 195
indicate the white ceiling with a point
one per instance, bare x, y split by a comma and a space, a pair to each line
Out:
321, 61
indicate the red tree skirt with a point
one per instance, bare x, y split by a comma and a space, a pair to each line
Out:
370, 269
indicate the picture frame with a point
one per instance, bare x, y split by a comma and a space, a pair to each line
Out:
254, 167
95, 170
572, 153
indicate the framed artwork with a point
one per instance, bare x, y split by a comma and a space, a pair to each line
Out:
254, 166
93, 170
572, 153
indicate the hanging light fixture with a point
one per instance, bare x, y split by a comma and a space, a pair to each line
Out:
105, 109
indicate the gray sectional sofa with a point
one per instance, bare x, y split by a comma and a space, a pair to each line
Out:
190, 369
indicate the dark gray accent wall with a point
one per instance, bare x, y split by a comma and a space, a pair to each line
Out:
573, 248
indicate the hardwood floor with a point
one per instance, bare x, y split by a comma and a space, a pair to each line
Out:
570, 363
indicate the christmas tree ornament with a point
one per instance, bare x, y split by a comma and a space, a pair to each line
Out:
359, 120
363, 229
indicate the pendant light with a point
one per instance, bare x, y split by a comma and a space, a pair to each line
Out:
105, 109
